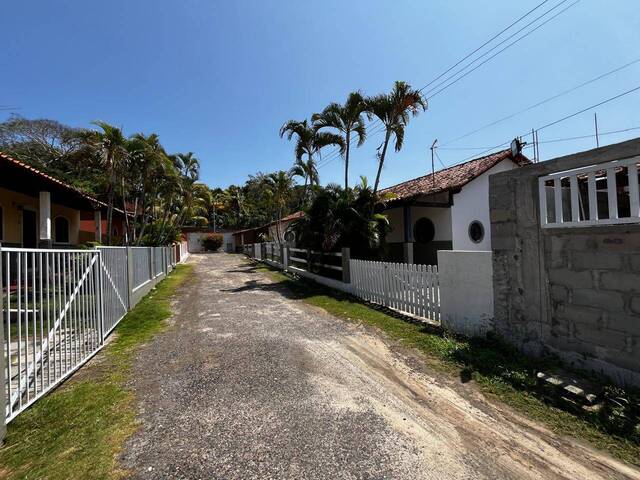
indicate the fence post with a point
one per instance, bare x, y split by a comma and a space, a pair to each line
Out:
3, 397
263, 251
130, 276
151, 265
346, 265
308, 259
285, 257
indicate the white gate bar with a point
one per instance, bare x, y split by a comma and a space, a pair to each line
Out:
612, 193
634, 194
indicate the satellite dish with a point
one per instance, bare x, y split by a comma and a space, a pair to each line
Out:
516, 147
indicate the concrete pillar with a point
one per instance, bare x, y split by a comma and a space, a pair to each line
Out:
97, 218
408, 252
44, 207
151, 263
346, 265
406, 218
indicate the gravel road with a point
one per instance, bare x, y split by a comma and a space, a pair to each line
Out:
251, 384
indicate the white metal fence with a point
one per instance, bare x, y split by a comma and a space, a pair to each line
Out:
406, 287
58, 306
52, 319
115, 281
601, 194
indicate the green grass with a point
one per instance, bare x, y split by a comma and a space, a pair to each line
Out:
77, 431
500, 371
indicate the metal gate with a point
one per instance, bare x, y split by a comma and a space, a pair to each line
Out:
115, 283
52, 318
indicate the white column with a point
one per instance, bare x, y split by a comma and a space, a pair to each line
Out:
45, 216
97, 218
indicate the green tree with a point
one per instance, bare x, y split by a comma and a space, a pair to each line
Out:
280, 185
347, 119
394, 110
309, 143
111, 148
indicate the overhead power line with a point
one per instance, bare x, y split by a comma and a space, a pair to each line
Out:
336, 153
542, 102
462, 70
555, 122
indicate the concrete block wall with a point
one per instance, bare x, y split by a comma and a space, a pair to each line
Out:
574, 292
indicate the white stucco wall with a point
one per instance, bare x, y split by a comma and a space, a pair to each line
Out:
441, 218
472, 203
194, 239
466, 291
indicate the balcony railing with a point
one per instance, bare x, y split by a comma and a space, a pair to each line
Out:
601, 194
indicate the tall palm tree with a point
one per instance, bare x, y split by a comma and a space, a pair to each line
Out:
307, 170
149, 166
280, 184
110, 144
347, 119
394, 110
310, 142
188, 165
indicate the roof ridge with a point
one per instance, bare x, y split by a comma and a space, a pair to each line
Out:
446, 169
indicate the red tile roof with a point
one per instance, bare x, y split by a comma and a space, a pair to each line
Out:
66, 186
452, 178
288, 218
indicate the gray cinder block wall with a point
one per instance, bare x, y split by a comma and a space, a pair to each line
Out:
574, 292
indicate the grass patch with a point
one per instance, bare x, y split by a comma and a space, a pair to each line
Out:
501, 371
77, 431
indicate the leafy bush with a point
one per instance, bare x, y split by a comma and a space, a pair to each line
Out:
340, 218
212, 243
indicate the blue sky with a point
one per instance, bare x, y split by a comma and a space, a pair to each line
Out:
220, 78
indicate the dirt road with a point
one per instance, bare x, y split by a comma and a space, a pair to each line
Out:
250, 383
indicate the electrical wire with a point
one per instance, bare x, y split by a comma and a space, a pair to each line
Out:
542, 102
336, 153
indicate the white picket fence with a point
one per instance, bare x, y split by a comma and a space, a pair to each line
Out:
406, 287
58, 306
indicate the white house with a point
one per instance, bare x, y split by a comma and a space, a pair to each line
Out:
446, 210
195, 235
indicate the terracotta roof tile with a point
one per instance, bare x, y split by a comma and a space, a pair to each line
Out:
35, 171
451, 178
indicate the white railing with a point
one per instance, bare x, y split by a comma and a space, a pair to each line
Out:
406, 287
58, 306
601, 194
115, 285
52, 318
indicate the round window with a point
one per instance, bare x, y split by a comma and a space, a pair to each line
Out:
424, 231
476, 231
289, 236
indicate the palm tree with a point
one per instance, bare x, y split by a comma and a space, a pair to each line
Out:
307, 170
347, 119
112, 154
188, 165
149, 166
280, 184
310, 142
394, 110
